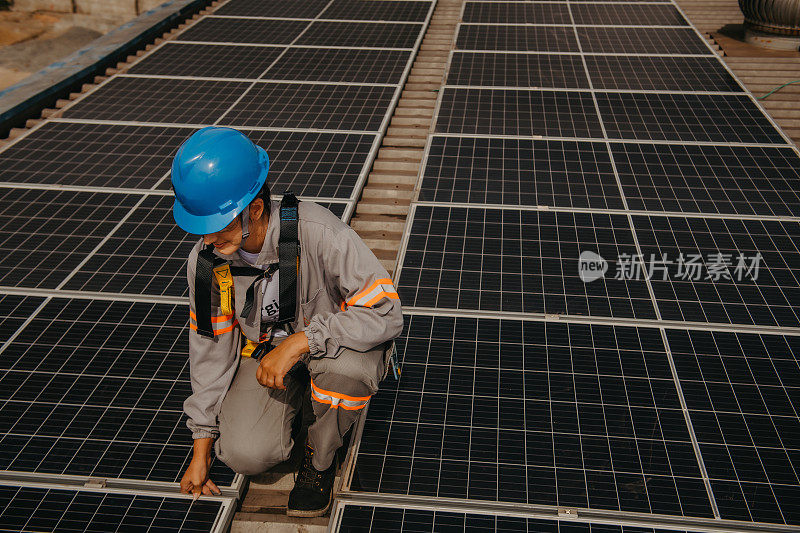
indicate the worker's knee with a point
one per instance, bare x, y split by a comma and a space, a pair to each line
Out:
249, 454
351, 372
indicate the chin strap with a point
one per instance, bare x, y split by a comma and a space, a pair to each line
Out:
245, 224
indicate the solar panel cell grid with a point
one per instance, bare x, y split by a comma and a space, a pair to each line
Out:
685, 117
522, 38
97, 155
517, 70
13, 312
159, 100
660, 73
233, 30
532, 412
709, 179
517, 13
389, 10
336, 107
518, 112
273, 8
627, 14
741, 391
96, 388
367, 34
211, 60
520, 172
606, 40
719, 279
39, 509
44, 234
518, 261
340, 65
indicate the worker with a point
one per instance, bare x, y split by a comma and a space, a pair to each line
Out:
250, 343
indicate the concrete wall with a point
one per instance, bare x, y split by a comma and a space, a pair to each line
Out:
110, 9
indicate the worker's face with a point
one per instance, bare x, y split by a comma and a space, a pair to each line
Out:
228, 239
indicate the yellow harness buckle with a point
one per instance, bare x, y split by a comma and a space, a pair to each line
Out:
225, 282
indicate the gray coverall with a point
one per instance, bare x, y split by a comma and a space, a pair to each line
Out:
349, 311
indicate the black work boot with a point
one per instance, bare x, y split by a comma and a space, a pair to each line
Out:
311, 495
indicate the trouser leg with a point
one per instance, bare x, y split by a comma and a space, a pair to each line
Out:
340, 389
255, 422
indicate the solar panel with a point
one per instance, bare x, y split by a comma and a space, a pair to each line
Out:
717, 280
294, 105
147, 255
517, 13
412, 11
26, 508
341, 65
517, 70
208, 60
709, 179
233, 30
518, 112
44, 234
96, 388
520, 172
660, 73
273, 8
518, 261
13, 312
685, 117
97, 155
532, 413
158, 100
742, 390
598, 39
627, 14
367, 34
354, 518
523, 38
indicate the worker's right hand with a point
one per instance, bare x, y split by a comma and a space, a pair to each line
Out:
196, 480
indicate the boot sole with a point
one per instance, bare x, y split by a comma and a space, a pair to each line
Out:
308, 514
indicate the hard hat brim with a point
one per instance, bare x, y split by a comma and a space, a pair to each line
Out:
205, 224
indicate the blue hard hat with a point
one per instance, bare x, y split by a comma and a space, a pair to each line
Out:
216, 173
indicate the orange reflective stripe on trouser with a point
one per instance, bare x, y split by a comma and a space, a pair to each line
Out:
381, 288
215, 320
336, 399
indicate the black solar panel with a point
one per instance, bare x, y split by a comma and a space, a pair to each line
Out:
13, 312
96, 388
685, 117
233, 30
742, 395
606, 40
159, 100
39, 509
364, 519
660, 73
44, 234
293, 105
517, 70
520, 172
709, 179
627, 14
532, 412
98, 155
518, 261
719, 278
342, 65
517, 13
208, 60
273, 8
367, 34
522, 38
412, 11
518, 112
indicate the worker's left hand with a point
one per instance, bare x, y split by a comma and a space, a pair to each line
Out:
280, 360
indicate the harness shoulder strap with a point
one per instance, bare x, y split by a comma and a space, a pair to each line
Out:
288, 259
206, 261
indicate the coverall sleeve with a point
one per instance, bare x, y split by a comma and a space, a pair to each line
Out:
372, 313
212, 361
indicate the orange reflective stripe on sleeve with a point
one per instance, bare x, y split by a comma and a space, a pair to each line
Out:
380, 289
221, 318
215, 320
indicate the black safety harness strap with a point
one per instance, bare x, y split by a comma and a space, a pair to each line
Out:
289, 260
206, 261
